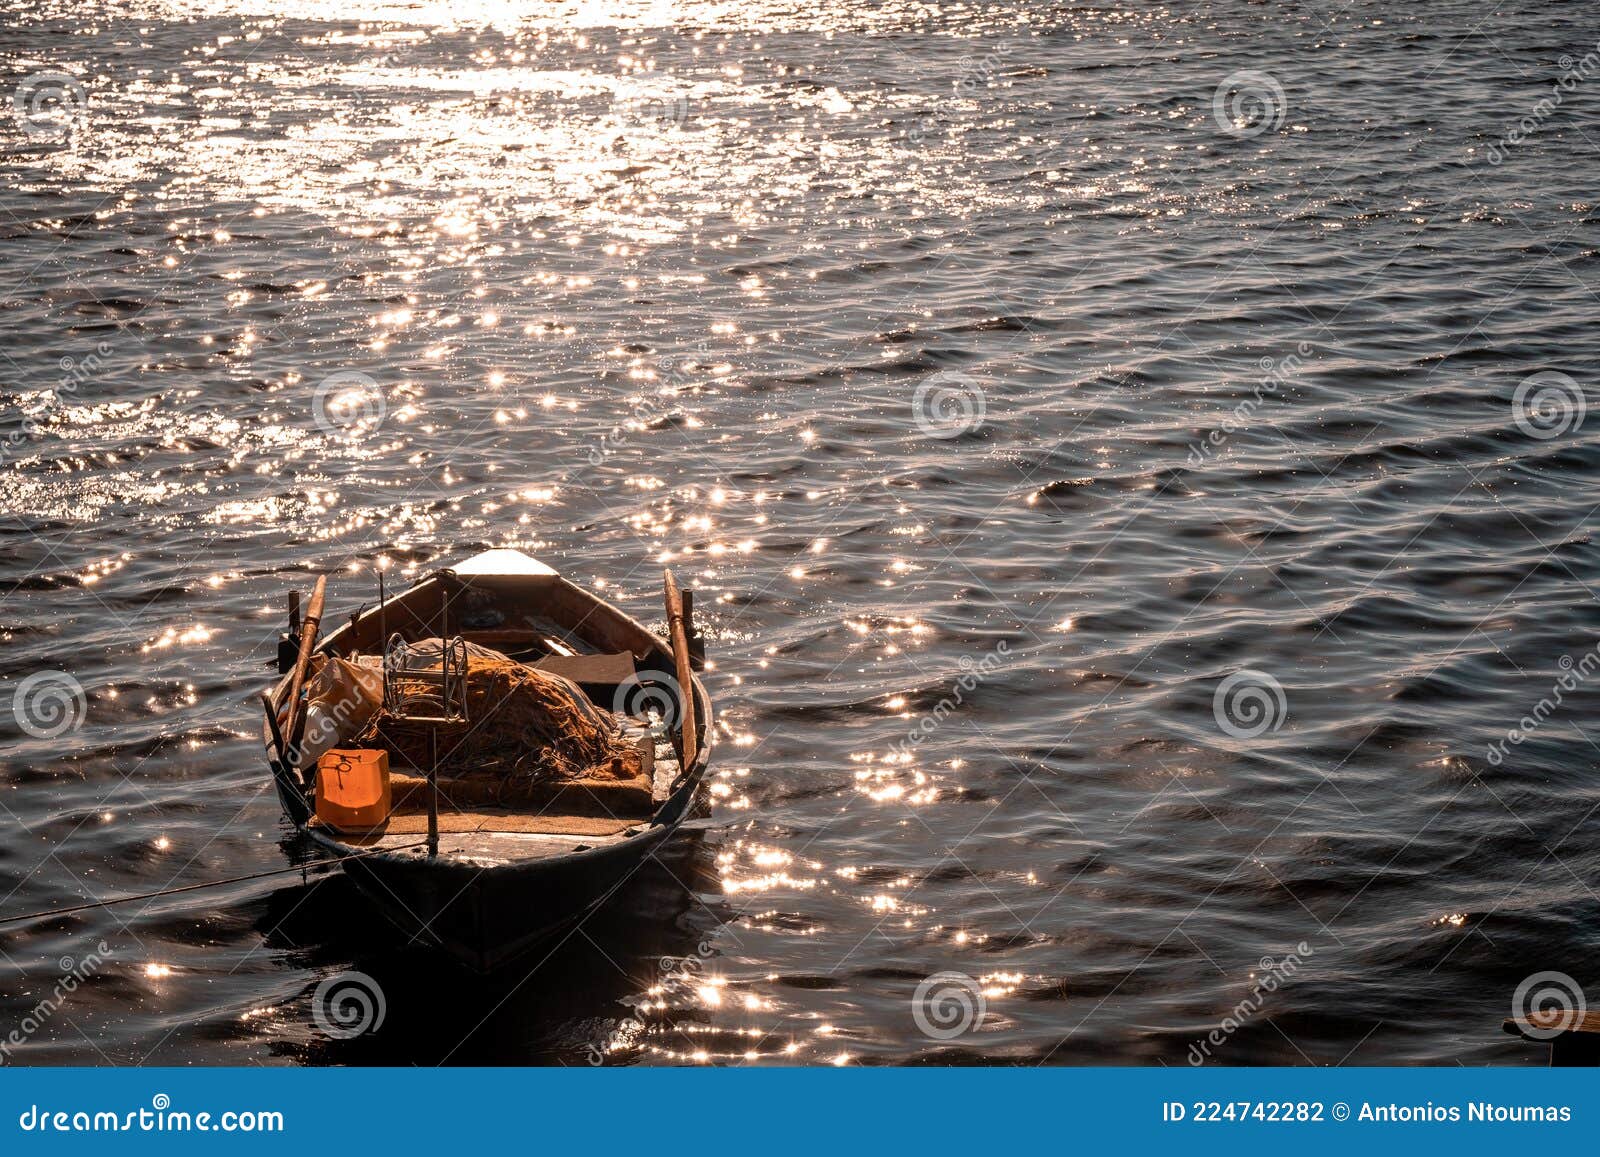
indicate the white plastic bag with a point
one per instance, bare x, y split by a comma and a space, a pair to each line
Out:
343, 697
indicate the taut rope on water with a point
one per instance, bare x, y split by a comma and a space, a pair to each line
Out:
50, 912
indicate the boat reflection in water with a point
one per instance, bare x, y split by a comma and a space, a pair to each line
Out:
382, 1001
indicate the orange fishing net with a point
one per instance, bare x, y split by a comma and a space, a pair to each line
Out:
521, 724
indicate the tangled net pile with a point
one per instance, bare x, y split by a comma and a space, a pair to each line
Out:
521, 724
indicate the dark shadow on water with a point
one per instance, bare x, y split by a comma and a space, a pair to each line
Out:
548, 1008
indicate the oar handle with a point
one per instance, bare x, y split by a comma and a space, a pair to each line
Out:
308, 642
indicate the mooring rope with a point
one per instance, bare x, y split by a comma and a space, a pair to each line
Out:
48, 913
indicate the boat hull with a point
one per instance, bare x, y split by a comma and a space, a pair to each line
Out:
487, 917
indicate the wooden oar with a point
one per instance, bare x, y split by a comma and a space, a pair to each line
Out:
680, 657
279, 747
291, 791
308, 641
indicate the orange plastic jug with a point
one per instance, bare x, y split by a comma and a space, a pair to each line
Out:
353, 788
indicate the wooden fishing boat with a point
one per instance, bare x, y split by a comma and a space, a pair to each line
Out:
481, 880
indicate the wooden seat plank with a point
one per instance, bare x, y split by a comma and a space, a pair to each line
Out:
590, 669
